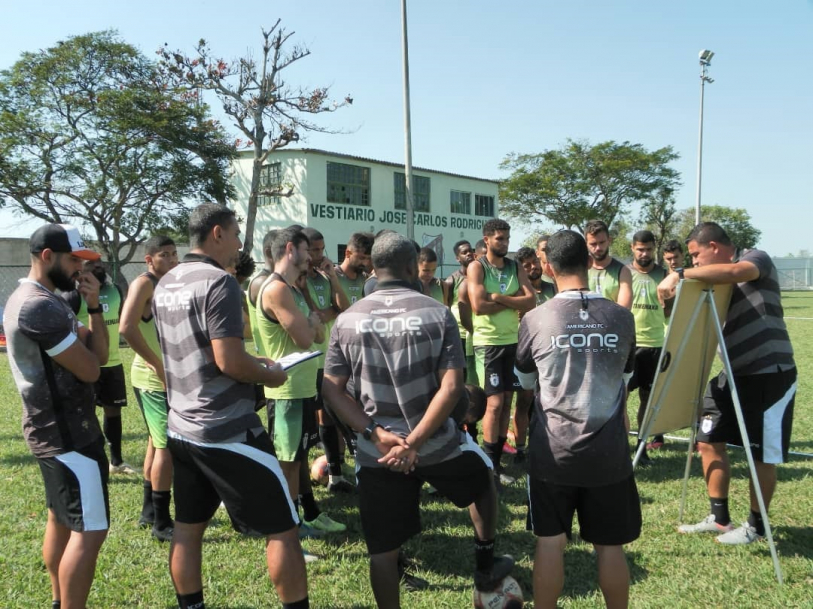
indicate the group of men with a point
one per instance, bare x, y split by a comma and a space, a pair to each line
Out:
553, 326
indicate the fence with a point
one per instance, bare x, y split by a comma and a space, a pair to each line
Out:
795, 273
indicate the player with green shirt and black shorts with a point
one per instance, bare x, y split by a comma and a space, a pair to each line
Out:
111, 389
499, 290
353, 270
464, 253
650, 324
606, 275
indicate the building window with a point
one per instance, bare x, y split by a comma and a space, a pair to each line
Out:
348, 184
420, 194
460, 202
270, 179
484, 205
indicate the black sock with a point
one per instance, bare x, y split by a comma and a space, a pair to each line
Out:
191, 601
329, 437
309, 509
56, 604
494, 452
755, 520
520, 448
160, 502
303, 604
719, 507
112, 431
483, 554
147, 511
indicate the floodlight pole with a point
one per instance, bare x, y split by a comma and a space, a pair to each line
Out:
407, 128
705, 62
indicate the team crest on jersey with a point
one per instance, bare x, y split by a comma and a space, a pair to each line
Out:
584, 315
503, 287
388, 300
494, 379
706, 425
643, 291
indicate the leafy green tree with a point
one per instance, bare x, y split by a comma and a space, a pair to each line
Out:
659, 215
268, 111
621, 232
734, 220
579, 181
91, 133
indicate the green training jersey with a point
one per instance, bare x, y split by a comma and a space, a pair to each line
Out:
277, 343
499, 328
353, 288
545, 292
252, 312
141, 375
606, 281
647, 310
457, 279
111, 301
436, 291
322, 296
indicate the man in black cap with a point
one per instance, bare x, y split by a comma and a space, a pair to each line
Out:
55, 360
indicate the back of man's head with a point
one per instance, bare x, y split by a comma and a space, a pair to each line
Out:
268, 243
706, 232
567, 253
283, 238
204, 218
395, 254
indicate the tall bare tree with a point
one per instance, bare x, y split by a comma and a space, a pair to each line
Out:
268, 111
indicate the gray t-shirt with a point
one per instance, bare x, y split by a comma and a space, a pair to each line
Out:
58, 409
193, 304
580, 344
391, 345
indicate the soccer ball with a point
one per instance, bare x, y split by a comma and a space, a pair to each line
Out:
319, 470
508, 595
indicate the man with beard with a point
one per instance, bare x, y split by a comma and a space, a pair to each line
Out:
649, 324
464, 253
541, 244
329, 300
55, 360
607, 276
149, 383
499, 290
111, 389
352, 272
220, 450
287, 325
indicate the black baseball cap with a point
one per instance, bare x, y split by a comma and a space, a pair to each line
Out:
63, 239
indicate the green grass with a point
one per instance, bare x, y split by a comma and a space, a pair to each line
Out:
668, 569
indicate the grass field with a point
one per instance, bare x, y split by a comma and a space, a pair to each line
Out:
668, 569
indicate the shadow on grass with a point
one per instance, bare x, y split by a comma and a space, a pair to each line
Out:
793, 541
17, 460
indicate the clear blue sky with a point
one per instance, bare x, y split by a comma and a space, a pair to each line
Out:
490, 78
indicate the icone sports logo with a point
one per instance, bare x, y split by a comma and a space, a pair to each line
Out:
393, 326
591, 343
173, 300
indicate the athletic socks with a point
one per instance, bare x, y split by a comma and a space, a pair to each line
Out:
755, 520
719, 508
147, 510
160, 502
56, 604
494, 452
309, 509
303, 604
483, 554
329, 436
191, 601
112, 431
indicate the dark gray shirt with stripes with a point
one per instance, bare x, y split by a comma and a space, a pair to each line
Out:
195, 303
756, 337
391, 345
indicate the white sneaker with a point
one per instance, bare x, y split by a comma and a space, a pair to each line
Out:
309, 557
121, 468
707, 525
744, 534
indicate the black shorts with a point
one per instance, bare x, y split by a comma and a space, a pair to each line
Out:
495, 368
245, 476
767, 407
389, 502
608, 515
111, 390
646, 364
76, 488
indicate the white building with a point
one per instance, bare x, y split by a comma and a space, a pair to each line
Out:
339, 194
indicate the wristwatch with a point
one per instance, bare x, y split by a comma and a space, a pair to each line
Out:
367, 434
679, 271
98, 309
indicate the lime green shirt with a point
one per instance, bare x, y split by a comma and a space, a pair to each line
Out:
141, 375
353, 288
110, 301
647, 310
457, 280
500, 328
322, 296
252, 313
436, 291
606, 281
277, 343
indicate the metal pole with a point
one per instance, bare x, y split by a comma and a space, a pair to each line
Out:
700, 145
407, 127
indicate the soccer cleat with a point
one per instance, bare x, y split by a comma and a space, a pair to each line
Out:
121, 468
707, 525
743, 534
507, 480
325, 523
656, 444
413, 583
145, 521
164, 534
308, 532
486, 581
341, 485
508, 449
308, 556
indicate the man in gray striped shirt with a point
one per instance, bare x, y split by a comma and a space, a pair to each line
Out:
761, 356
403, 353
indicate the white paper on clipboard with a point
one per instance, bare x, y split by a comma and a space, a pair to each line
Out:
292, 359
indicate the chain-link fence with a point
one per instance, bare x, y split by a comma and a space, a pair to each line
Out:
795, 273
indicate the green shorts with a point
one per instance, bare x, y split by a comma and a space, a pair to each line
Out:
295, 428
154, 407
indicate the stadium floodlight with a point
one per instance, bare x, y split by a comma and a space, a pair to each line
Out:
705, 62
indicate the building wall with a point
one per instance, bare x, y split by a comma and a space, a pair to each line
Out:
306, 173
